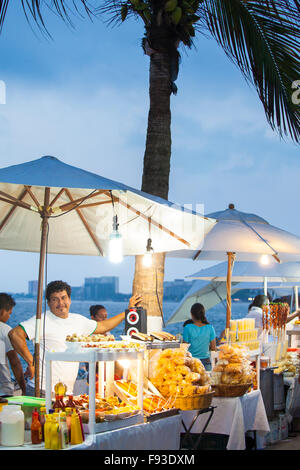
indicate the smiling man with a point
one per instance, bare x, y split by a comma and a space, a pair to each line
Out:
58, 324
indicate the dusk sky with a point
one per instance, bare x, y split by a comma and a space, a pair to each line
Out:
83, 97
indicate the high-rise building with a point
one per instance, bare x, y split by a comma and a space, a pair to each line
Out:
100, 287
33, 288
176, 290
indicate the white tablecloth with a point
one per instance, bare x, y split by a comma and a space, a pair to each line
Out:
163, 434
233, 416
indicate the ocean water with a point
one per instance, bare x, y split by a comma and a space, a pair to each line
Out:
25, 309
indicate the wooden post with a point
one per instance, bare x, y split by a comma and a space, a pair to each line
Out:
231, 257
44, 216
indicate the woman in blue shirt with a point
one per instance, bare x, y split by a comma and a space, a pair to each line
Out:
200, 335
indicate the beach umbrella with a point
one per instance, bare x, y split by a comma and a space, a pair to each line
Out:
49, 206
243, 237
244, 271
211, 293
207, 293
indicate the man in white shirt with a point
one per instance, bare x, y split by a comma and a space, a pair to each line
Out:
58, 324
8, 355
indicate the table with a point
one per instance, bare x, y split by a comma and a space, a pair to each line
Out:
189, 430
163, 434
233, 417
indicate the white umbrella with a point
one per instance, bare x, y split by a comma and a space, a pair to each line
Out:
208, 294
211, 293
244, 237
47, 204
244, 271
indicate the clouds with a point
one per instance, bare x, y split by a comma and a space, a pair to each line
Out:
83, 97
88, 127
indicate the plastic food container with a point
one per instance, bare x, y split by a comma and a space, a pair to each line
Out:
28, 404
12, 426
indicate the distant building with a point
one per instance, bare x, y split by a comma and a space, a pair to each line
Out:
77, 293
105, 287
176, 290
33, 288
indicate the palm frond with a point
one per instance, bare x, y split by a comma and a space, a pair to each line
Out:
33, 11
262, 39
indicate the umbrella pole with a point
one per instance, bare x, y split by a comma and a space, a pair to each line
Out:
39, 304
231, 257
265, 286
296, 298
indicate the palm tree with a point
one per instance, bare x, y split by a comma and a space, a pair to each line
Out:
261, 37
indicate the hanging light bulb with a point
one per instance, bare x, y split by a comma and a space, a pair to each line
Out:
264, 259
147, 259
115, 249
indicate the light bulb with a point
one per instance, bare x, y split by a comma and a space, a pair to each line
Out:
125, 363
147, 260
115, 249
264, 259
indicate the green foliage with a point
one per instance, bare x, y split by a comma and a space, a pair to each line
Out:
124, 11
261, 37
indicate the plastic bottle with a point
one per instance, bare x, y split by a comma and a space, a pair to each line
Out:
43, 420
47, 431
64, 434
81, 425
36, 429
60, 389
58, 403
12, 426
70, 403
76, 435
55, 434
68, 412
3, 402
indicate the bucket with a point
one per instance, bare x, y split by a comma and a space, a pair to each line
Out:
266, 389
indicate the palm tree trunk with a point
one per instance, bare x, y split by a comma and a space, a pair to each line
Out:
148, 282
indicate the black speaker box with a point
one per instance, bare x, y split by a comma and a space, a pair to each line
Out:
135, 320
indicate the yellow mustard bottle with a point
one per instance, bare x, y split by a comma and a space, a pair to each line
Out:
55, 434
47, 431
76, 434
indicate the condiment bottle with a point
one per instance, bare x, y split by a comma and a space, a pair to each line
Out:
70, 403
55, 434
60, 389
3, 402
36, 429
12, 426
81, 425
76, 435
64, 434
43, 419
59, 404
68, 420
47, 431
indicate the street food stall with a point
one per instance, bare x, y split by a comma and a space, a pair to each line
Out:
164, 399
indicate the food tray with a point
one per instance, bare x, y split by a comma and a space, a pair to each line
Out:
194, 402
161, 414
155, 344
115, 424
231, 391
